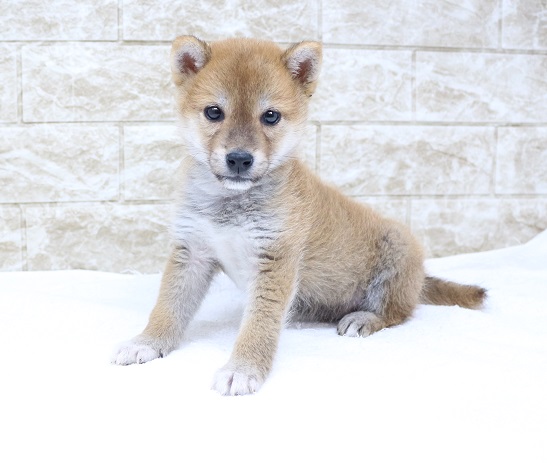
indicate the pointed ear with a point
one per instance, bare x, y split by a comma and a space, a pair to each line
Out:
303, 61
188, 56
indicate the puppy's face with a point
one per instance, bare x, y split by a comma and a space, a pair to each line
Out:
243, 104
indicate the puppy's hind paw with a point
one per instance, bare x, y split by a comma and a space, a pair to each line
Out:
359, 323
135, 352
236, 381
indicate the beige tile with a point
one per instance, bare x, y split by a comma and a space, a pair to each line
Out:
278, 20
448, 226
11, 243
58, 162
521, 220
408, 160
472, 23
107, 237
524, 24
473, 87
8, 89
152, 156
363, 85
96, 82
521, 166
59, 20
396, 209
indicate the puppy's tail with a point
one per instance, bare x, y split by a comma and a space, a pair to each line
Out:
436, 291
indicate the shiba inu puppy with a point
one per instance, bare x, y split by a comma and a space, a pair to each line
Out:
248, 207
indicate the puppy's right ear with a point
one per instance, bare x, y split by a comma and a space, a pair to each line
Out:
188, 56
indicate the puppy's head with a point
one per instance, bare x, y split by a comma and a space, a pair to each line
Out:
243, 103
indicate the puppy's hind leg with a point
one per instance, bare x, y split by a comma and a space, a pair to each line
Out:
392, 311
391, 293
387, 304
184, 285
371, 316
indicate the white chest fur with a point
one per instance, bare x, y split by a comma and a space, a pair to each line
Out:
236, 253
231, 246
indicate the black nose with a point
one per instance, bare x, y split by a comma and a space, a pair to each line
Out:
239, 161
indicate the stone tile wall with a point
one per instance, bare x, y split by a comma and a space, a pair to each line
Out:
434, 112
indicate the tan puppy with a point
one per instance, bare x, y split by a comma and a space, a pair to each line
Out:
250, 208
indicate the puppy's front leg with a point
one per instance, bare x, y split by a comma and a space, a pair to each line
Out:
185, 281
255, 347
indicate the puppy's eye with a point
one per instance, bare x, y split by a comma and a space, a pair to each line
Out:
214, 113
271, 117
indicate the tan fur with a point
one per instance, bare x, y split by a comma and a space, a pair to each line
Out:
440, 292
298, 247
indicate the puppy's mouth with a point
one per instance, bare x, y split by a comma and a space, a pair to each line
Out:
235, 182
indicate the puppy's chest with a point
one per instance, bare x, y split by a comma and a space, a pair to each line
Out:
234, 232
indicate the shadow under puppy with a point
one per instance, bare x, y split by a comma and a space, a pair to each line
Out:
250, 208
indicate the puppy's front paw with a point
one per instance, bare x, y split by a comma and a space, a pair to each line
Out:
231, 380
135, 351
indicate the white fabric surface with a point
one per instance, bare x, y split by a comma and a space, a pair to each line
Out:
448, 385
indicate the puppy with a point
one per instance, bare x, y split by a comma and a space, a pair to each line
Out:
249, 208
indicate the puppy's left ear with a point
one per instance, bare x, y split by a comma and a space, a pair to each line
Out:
303, 61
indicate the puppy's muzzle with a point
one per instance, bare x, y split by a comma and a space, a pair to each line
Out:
239, 161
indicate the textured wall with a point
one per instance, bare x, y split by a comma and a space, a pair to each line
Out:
433, 111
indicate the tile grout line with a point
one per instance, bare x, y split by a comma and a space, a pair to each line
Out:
413, 91
500, 26
89, 202
422, 123
496, 49
19, 77
166, 200
320, 20
348, 46
120, 21
428, 49
20, 122
24, 238
363, 122
121, 164
493, 174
